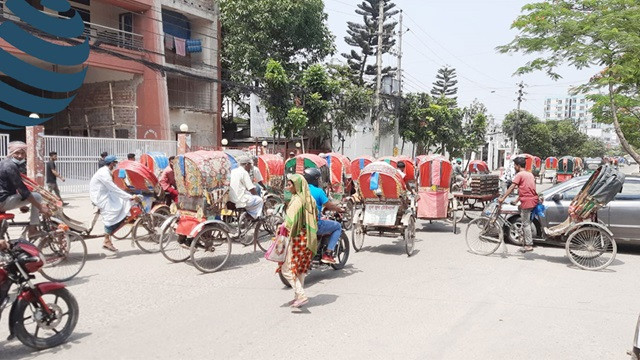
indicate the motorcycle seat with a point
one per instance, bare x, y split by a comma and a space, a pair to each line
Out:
7, 216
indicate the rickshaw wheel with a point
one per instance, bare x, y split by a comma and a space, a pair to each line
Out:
591, 248
347, 217
64, 256
174, 247
162, 210
410, 236
483, 237
211, 248
122, 232
357, 236
264, 232
244, 225
146, 232
342, 252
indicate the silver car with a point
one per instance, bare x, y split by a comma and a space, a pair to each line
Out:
621, 215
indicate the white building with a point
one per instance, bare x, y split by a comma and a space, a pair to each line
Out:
578, 109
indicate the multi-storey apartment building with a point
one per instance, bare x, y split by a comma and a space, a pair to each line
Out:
577, 108
154, 65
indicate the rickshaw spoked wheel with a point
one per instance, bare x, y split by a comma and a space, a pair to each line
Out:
410, 236
357, 236
146, 232
210, 248
591, 248
173, 246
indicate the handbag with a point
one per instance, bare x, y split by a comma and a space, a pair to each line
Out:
277, 252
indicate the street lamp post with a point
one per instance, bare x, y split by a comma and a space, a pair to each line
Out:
224, 143
298, 148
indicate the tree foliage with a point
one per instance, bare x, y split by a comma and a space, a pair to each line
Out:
291, 32
445, 84
363, 37
599, 34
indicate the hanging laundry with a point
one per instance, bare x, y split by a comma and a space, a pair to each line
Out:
194, 46
180, 46
168, 41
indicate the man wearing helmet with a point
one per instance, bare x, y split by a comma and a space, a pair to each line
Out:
113, 202
242, 191
325, 227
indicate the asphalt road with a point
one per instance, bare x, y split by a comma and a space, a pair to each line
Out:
441, 303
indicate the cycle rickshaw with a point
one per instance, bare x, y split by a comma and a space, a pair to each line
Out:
550, 168
388, 207
155, 161
435, 201
271, 168
477, 167
566, 169
588, 243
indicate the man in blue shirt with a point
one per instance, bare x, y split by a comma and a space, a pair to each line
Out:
325, 227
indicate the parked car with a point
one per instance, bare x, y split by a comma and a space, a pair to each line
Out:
621, 215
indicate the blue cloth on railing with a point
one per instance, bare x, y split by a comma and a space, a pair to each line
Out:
122, 174
182, 167
538, 211
374, 182
361, 164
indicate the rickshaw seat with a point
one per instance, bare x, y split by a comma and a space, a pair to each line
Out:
232, 206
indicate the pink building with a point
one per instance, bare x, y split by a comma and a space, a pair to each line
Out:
154, 65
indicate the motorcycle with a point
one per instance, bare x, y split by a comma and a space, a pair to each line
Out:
341, 252
43, 315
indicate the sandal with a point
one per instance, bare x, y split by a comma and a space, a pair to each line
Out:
110, 247
300, 303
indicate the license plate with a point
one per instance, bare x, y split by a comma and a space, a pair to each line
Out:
380, 214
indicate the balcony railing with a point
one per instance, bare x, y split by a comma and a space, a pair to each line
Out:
96, 32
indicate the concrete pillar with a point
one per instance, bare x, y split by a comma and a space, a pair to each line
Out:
35, 153
184, 143
152, 97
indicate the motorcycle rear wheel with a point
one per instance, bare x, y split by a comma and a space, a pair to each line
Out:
58, 335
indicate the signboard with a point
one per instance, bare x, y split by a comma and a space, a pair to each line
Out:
384, 215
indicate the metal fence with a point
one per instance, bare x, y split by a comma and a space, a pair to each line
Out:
78, 156
4, 142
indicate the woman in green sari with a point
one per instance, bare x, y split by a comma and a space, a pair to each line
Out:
301, 222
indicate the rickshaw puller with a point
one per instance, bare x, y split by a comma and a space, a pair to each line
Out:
242, 192
528, 197
325, 227
13, 192
113, 202
167, 181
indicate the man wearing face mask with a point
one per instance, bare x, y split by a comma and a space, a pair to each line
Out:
113, 202
13, 192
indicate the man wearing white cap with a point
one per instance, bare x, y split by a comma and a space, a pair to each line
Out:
13, 192
242, 191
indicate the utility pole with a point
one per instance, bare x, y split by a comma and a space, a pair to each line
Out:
520, 98
396, 123
378, 113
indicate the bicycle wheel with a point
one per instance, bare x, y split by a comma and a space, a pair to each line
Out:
483, 237
357, 237
123, 231
241, 235
591, 248
263, 234
65, 255
174, 247
146, 232
210, 249
410, 236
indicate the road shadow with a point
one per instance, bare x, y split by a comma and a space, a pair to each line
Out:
241, 260
79, 280
111, 255
16, 350
316, 301
439, 226
318, 276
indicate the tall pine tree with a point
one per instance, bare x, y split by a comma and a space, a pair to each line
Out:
445, 85
363, 37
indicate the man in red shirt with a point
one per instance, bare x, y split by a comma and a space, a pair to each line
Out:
168, 181
528, 197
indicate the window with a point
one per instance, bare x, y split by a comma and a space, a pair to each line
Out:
630, 191
582, 101
571, 193
122, 133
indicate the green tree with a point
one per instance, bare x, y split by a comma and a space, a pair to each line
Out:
364, 39
445, 84
277, 99
628, 113
351, 104
592, 148
291, 32
518, 124
566, 137
604, 34
415, 124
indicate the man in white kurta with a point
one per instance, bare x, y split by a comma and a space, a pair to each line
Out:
113, 202
242, 191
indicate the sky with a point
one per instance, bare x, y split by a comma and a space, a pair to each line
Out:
462, 34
